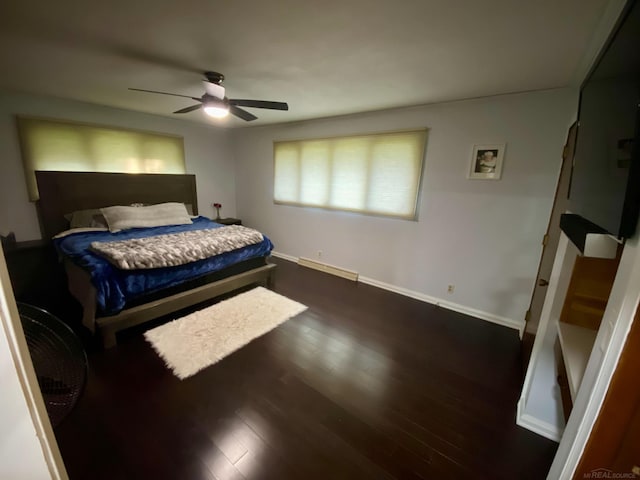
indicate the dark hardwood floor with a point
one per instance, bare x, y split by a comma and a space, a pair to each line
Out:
365, 384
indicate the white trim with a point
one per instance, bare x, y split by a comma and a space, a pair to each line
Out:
489, 317
284, 256
547, 430
456, 307
330, 269
402, 291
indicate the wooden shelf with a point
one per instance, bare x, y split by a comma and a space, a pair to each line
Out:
592, 296
588, 309
576, 343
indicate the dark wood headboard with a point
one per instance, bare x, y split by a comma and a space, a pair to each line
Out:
66, 192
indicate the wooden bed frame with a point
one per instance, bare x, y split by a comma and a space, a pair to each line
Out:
65, 192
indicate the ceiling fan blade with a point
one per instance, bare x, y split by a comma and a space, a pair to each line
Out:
165, 93
189, 109
259, 104
243, 114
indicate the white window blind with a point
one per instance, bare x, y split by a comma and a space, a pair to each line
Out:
376, 174
75, 147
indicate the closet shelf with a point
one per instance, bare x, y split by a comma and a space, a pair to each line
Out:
588, 309
601, 297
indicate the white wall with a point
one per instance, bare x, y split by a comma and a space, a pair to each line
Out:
207, 149
22, 454
483, 236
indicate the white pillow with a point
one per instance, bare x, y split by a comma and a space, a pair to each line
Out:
121, 218
80, 230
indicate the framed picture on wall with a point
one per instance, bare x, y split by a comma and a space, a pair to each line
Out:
486, 162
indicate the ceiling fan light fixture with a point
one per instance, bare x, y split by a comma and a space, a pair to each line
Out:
216, 111
216, 108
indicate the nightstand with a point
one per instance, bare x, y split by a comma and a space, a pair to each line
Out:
36, 276
228, 221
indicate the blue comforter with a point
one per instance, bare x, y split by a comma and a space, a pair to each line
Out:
116, 287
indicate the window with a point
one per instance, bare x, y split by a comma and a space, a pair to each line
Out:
75, 147
377, 174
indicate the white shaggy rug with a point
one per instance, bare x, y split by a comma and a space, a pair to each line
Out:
191, 343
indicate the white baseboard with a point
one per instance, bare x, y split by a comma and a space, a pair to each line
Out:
545, 429
330, 269
489, 317
538, 426
284, 256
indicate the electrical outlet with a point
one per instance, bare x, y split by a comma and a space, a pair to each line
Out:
319, 253
451, 288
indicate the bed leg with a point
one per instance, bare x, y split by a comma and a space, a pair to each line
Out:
108, 338
271, 279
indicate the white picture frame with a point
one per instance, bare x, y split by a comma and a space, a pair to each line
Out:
486, 162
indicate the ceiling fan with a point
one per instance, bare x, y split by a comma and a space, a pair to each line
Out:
216, 104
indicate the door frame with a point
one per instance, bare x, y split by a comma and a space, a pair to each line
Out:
550, 249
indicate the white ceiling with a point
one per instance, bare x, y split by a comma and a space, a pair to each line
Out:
324, 58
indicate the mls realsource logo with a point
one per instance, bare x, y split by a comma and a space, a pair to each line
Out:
606, 473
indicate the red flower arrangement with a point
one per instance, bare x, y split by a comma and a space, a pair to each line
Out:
217, 206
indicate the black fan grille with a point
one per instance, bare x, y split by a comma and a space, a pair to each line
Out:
58, 358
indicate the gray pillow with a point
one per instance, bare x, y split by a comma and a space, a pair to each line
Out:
121, 218
188, 206
89, 218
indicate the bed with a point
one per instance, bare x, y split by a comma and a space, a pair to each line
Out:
153, 293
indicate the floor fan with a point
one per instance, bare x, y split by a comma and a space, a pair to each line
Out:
58, 357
